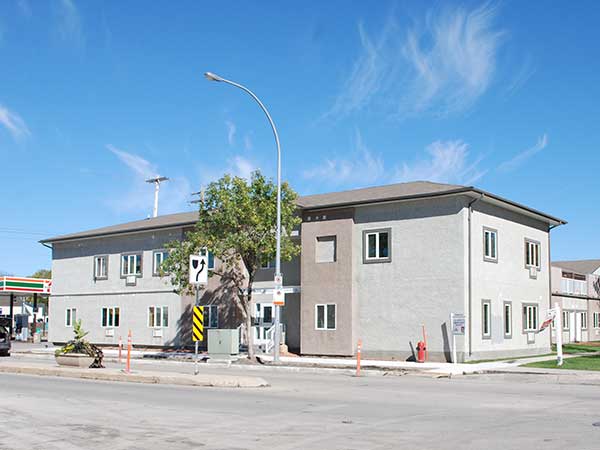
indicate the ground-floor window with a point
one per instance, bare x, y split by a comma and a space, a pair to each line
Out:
486, 319
530, 318
325, 316
597, 320
211, 316
158, 316
584, 320
111, 316
70, 316
565, 320
507, 319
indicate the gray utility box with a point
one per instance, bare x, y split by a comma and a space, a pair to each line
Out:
223, 342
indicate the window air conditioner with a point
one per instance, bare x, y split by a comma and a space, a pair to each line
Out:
157, 332
533, 272
109, 332
131, 280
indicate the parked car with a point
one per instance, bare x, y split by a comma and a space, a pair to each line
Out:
4, 336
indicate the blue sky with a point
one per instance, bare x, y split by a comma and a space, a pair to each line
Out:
96, 96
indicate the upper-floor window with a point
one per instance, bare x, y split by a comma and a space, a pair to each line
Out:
573, 283
101, 267
131, 264
211, 258
490, 245
325, 249
159, 258
111, 317
532, 254
267, 263
377, 245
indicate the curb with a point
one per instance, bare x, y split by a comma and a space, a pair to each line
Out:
200, 380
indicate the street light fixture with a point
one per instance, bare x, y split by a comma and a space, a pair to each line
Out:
213, 77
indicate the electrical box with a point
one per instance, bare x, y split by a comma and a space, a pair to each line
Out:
223, 342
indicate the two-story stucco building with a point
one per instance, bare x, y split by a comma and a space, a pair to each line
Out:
576, 289
376, 264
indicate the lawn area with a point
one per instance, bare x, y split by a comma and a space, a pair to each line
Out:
579, 348
577, 363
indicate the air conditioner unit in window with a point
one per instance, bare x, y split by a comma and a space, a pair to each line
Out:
533, 272
109, 332
157, 332
131, 280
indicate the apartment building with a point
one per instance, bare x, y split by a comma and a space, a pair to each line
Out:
576, 288
376, 264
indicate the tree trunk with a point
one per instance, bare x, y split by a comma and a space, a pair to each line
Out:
248, 310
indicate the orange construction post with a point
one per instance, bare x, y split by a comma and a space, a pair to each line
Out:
358, 350
425, 342
128, 367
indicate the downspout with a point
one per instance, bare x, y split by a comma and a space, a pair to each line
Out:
470, 271
550, 228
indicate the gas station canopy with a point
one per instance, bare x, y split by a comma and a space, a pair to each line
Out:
19, 285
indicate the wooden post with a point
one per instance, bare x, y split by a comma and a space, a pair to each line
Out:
358, 351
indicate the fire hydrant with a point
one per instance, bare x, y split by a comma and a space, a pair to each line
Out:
421, 351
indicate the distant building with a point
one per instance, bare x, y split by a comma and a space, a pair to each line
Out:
376, 264
576, 288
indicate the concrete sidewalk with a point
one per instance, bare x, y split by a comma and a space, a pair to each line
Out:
136, 376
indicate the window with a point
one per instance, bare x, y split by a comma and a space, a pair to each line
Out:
267, 263
70, 317
565, 320
111, 317
486, 319
490, 245
597, 320
131, 265
158, 316
158, 258
325, 249
101, 267
211, 316
532, 254
530, 318
584, 321
211, 258
325, 316
377, 245
507, 319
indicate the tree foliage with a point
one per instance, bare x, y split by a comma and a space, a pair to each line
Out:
42, 273
237, 223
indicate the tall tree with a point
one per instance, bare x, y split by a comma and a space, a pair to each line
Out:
237, 223
42, 273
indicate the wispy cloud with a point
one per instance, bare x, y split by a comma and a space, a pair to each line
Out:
231, 129
248, 145
240, 167
519, 159
442, 64
442, 161
13, 123
70, 26
139, 195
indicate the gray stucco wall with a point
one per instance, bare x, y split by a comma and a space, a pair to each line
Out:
422, 284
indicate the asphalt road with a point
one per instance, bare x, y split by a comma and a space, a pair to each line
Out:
301, 411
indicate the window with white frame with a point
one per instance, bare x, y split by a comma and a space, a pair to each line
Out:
158, 316
584, 320
70, 316
159, 257
267, 263
486, 319
131, 264
565, 320
211, 316
490, 244
111, 317
507, 319
532, 254
530, 318
325, 316
101, 267
596, 320
377, 245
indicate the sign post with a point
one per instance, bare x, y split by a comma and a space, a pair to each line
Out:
457, 323
198, 276
558, 331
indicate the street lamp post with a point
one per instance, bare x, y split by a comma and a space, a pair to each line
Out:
213, 77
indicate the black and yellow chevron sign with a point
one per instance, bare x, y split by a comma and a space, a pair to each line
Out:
198, 324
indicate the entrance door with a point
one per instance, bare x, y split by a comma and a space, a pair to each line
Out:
264, 315
572, 326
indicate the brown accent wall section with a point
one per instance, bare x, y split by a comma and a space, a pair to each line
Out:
329, 282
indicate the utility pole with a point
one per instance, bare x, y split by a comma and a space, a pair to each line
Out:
200, 193
156, 181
